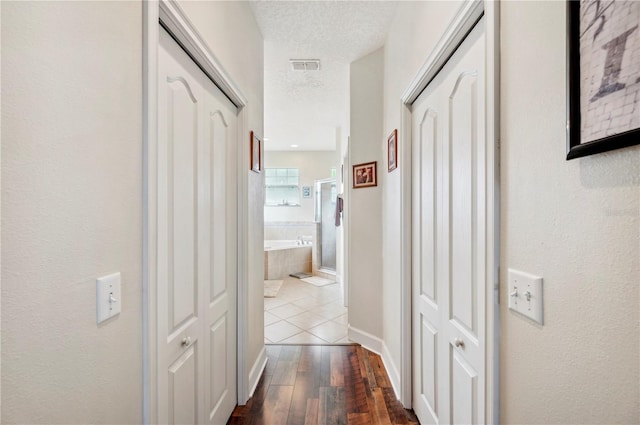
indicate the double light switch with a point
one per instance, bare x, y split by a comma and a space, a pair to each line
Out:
525, 294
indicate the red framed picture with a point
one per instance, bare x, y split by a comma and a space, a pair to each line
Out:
365, 175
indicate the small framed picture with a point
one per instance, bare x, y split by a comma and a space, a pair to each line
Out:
306, 191
365, 175
392, 150
256, 153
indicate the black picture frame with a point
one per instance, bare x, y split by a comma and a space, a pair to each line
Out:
575, 147
255, 160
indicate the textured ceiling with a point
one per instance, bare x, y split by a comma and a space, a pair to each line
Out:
306, 107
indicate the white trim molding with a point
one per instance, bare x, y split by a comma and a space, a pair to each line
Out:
405, 386
492, 64
168, 14
150, 37
256, 371
463, 22
174, 20
377, 345
367, 340
243, 242
392, 370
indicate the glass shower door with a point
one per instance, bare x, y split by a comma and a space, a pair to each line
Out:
326, 216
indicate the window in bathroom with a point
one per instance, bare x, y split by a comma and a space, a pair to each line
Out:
282, 187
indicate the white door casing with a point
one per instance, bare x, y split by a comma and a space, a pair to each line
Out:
449, 265
196, 243
172, 17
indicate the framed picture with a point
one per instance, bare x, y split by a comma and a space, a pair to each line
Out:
365, 175
392, 150
306, 191
603, 67
256, 153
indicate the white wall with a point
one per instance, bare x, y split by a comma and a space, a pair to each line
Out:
71, 200
365, 204
577, 224
230, 30
71, 210
414, 32
313, 166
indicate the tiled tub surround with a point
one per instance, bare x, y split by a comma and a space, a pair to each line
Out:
295, 230
283, 257
286, 230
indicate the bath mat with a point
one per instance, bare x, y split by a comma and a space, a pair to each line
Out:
318, 281
300, 275
271, 288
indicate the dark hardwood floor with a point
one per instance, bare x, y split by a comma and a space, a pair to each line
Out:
304, 385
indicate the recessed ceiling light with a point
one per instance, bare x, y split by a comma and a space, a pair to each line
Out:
294, 146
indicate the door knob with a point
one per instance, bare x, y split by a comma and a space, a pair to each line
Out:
458, 343
186, 341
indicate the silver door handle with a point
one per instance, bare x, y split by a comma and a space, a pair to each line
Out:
458, 343
186, 341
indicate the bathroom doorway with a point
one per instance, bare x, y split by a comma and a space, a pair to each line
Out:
303, 295
325, 210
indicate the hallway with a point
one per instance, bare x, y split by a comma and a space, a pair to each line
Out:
93, 194
323, 385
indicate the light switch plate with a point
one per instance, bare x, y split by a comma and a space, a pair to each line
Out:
525, 294
108, 301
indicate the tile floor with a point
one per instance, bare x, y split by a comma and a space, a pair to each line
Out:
305, 314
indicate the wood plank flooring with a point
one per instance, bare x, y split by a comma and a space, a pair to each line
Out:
323, 385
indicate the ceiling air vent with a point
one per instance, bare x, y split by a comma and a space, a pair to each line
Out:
305, 64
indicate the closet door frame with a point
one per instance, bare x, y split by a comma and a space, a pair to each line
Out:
169, 15
465, 19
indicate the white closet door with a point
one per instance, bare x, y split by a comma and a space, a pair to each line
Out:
196, 255
218, 252
449, 222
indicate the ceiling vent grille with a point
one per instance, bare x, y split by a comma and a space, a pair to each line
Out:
305, 64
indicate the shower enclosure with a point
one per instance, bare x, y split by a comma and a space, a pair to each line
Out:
326, 218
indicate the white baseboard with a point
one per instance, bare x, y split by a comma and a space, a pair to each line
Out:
392, 370
368, 341
256, 371
377, 345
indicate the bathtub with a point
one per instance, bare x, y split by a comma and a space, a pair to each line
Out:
283, 257
284, 244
